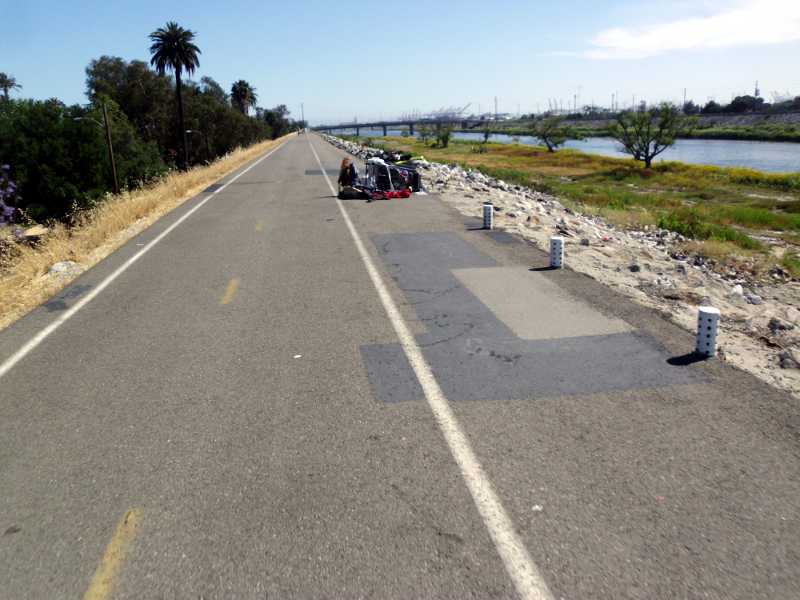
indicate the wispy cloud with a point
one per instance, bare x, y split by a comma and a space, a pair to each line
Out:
754, 22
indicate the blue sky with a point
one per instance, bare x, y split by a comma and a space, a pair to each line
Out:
379, 59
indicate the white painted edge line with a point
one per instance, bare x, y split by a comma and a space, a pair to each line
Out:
11, 361
523, 571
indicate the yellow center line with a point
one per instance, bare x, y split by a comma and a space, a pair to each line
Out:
233, 285
104, 577
260, 226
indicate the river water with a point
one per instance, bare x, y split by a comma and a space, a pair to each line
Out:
774, 157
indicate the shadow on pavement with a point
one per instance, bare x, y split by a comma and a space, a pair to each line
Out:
686, 359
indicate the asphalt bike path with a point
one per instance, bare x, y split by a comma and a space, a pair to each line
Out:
236, 416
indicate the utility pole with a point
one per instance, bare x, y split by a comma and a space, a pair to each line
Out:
495, 108
110, 149
303, 114
684, 99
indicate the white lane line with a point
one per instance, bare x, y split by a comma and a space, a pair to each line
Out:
10, 362
523, 571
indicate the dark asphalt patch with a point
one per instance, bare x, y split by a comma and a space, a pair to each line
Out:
60, 302
502, 237
475, 356
212, 188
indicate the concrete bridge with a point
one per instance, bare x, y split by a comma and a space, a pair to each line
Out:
411, 125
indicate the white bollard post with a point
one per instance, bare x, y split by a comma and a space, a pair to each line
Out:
488, 215
556, 252
707, 321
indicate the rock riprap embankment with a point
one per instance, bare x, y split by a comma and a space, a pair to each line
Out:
760, 325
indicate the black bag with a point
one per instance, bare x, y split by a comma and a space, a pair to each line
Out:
351, 193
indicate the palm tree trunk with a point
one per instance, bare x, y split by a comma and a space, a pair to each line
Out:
181, 124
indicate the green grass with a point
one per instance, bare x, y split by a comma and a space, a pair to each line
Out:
765, 133
791, 262
692, 224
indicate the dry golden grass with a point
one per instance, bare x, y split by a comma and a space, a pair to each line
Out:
627, 219
24, 280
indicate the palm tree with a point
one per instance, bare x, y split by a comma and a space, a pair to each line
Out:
173, 49
243, 96
8, 83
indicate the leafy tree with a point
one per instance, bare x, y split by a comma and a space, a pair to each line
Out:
424, 133
443, 133
173, 49
711, 108
147, 98
142, 94
210, 87
277, 119
645, 135
57, 155
243, 96
553, 132
487, 133
8, 83
746, 103
690, 108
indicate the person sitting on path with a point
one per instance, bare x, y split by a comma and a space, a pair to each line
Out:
345, 177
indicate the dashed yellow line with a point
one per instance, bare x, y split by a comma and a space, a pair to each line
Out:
105, 575
260, 226
230, 292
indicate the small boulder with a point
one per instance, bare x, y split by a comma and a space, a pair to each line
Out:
777, 325
66, 268
34, 232
789, 359
754, 299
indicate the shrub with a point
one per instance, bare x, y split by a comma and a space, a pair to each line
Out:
443, 133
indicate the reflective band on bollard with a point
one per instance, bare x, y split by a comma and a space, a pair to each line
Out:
488, 215
556, 252
707, 321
